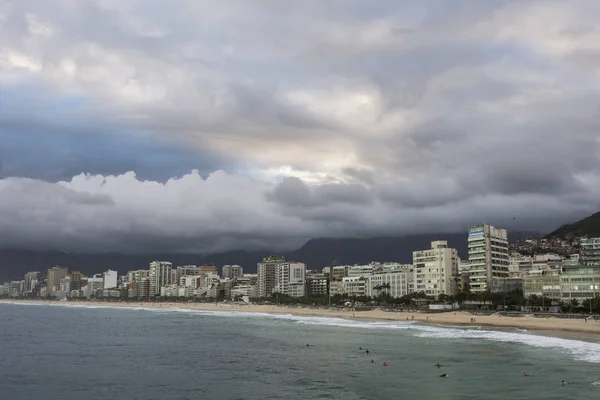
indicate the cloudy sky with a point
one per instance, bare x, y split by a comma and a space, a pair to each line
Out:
213, 125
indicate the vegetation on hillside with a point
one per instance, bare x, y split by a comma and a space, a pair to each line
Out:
589, 226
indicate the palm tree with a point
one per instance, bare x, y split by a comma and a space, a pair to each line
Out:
573, 304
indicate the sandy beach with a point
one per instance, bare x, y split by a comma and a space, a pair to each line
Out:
553, 326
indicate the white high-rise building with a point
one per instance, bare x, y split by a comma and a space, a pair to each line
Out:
110, 279
137, 276
488, 256
94, 283
232, 271
266, 275
395, 283
160, 275
31, 279
436, 269
290, 279
185, 270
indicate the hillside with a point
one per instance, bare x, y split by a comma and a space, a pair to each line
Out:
316, 253
589, 226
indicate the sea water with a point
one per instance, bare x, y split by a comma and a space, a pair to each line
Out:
96, 352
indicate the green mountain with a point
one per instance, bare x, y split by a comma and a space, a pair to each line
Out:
589, 226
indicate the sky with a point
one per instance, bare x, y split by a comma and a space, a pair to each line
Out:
204, 126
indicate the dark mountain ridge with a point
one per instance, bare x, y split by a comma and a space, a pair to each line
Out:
589, 226
316, 253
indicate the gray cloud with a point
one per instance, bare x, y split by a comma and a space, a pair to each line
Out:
305, 119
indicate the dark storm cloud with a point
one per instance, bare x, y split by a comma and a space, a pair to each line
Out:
373, 117
292, 192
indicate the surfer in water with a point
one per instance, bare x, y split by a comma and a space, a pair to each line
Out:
437, 365
443, 375
367, 351
564, 383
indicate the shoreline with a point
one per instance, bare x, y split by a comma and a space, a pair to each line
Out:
571, 328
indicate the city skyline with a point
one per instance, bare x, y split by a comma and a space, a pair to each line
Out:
436, 273
197, 126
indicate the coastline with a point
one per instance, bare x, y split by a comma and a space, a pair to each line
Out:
571, 328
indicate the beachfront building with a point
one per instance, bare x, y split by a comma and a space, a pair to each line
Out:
266, 275
488, 256
208, 269
94, 286
160, 275
184, 270
463, 278
110, 279
393, 282
77, 281
361, 270
506, 285
436, 270
190, 281
580, 282
589, 250
354, 286
243, 291
316, 284
55, 275
31, 280
542, 283
289, 279
137, 276
339, 272
141, 289
232, 271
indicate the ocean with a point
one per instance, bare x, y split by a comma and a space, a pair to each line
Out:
66, 352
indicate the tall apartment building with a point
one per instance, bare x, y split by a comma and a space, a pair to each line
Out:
185, 270
31, 279
160, 275
55, 275
589, 251
436, 270
94, 285
488, 256
77, 280
138, 276
232, 271
110, 279
290, 279
266, 275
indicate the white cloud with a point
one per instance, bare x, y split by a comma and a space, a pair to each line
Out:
18, 60
224, 211
38, 27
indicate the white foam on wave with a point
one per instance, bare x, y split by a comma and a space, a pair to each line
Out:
578, 349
